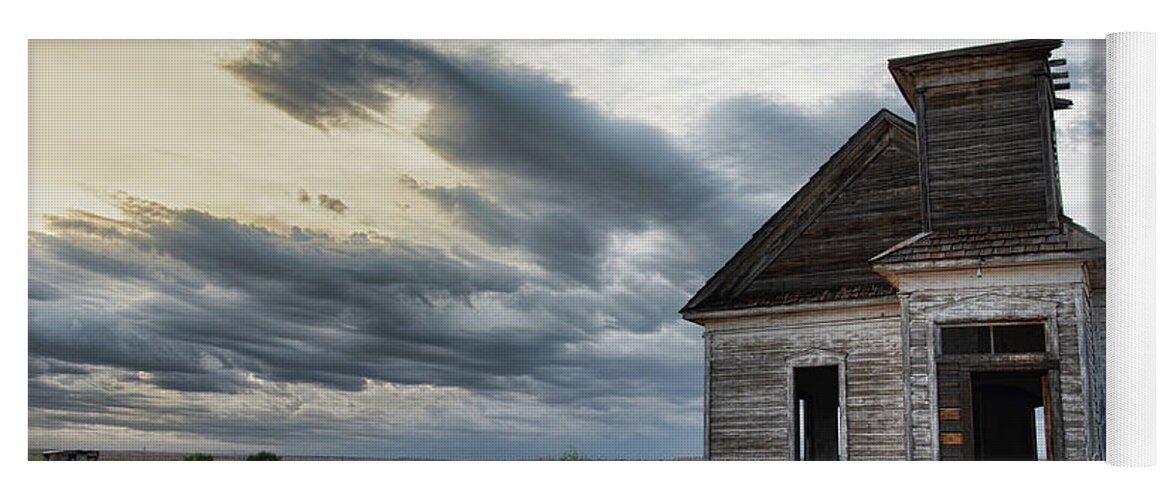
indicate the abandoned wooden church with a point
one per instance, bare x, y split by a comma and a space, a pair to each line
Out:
923, 296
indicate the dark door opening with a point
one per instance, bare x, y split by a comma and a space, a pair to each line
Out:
1010, 417
816, 411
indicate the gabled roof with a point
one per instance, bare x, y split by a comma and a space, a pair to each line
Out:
866, 210
802, 209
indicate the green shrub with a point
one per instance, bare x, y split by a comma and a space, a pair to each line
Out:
198, 457
263, 456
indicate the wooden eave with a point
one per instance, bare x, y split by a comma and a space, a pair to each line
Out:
994, 261
905, 70
718, 314
768, 242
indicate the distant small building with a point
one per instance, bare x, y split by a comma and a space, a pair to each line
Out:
71, 455
923, 296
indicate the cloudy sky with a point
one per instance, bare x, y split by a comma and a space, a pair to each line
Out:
435, 249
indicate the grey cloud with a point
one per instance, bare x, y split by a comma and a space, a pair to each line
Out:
323, 200
562, 175
242, 295
331, 203
331, 84
214, 302
773, 148
560, 239
38, 366
1081, 133
1087, 64
1087, 77
40, 290
305, 419
556, 176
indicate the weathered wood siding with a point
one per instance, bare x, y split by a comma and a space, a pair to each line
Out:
878, 209
749, 413
1059, 306
988, 148
1097, 362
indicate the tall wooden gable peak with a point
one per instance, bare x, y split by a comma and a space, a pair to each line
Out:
817, 246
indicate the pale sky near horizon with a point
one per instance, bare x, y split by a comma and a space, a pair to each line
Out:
477, 252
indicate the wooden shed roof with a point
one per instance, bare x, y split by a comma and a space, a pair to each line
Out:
986, 242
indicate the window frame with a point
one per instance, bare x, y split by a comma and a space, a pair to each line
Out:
1046, 337
813, 358
988, 308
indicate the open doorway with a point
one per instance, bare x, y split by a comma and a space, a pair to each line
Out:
1010, 415
817, 412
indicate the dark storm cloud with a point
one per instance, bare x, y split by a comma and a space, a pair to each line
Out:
38, 366
562, 175
186, 301
213, 300
558, 177
214, 279
40, 290
487, 117
559, 238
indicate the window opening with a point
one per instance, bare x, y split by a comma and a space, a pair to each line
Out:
817, 412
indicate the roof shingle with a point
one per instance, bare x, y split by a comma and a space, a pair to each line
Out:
995, 241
